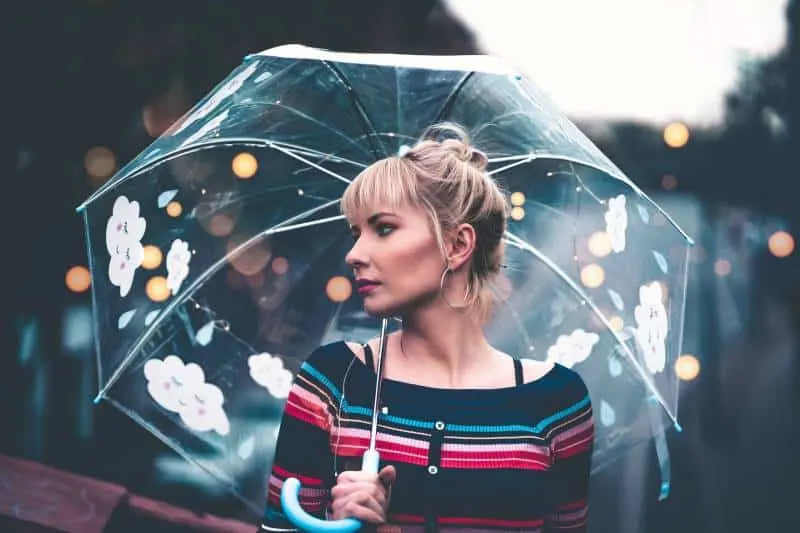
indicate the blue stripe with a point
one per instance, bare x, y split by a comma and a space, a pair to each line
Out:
424, 424
562, 414
328, 384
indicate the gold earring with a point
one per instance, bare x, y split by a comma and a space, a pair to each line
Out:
441, 291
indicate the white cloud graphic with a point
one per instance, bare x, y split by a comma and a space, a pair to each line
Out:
652, 326
178, 258
617, 223
269, 372
124, 232
181, 388
571, 349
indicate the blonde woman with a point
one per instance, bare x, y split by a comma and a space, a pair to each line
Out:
469, 437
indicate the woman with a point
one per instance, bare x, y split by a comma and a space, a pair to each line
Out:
469, 437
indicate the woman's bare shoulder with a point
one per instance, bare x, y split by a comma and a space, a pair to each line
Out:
357, 349
534, 370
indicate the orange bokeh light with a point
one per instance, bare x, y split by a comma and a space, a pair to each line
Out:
152, 257
600, 244
157, 289
78, 279
244, 165
593, 276
781, 244
174, 209
676, 135
338, 289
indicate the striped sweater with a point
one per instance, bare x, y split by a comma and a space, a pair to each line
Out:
514, 458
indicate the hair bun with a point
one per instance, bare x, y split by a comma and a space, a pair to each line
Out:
455, 140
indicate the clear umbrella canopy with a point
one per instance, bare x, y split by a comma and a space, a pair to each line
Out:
217, 255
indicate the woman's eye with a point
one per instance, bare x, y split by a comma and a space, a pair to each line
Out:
384, 230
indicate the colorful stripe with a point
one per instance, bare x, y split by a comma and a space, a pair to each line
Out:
527, 470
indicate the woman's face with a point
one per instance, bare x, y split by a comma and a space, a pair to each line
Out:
396, 260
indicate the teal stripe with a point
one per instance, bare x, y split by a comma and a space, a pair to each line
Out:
562, 414
323, 379
424, 424
397, 420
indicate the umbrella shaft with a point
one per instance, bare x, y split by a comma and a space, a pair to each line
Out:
376, 402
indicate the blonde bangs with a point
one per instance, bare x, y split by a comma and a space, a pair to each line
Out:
386, 184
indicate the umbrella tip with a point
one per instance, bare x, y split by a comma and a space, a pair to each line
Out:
98, 398
678, 428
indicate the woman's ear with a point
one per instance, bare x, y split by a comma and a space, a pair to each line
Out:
461, 246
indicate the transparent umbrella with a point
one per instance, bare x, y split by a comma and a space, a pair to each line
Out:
217, 255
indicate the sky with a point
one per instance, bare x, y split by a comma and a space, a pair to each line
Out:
651, 60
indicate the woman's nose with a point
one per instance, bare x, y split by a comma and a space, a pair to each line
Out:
356, 258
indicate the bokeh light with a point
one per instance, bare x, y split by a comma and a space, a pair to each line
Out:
616, 323
517, 213
781, 244
157, 289
244, 165
338, 289
152, 257
250, 260
280, 265
100, 163
600, 244
221, 225
174, 209
517, 199
78, 279
669, 182
676, 135
687, 367
722, 267
593, 275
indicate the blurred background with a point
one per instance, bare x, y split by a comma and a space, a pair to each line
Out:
698, 101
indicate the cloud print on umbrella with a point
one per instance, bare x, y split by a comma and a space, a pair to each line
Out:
572, 349
269, 372
181, 388
617, 223
178, 259
652, 326
124, 232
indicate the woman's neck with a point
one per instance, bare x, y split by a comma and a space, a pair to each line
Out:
447, 347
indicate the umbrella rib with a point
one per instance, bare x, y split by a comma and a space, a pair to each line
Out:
308, 162
366, 123
311, 152
522, 245
451, 98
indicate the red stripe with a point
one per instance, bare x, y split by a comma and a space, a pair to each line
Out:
304, 480
308, 505
503, 463
578, 504
564, 452
390, 451
303, 415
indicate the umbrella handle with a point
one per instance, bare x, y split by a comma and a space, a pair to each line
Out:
290, 493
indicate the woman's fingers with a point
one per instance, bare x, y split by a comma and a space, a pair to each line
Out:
363, 495
360, 504
387, 475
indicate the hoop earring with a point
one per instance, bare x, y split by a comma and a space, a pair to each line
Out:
441, 291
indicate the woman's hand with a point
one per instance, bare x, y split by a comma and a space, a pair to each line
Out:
363, 496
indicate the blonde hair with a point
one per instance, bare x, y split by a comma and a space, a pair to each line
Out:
446, 177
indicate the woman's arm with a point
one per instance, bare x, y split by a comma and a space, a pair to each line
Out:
572, 445
303, 449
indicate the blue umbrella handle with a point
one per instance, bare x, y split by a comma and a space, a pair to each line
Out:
290, 493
